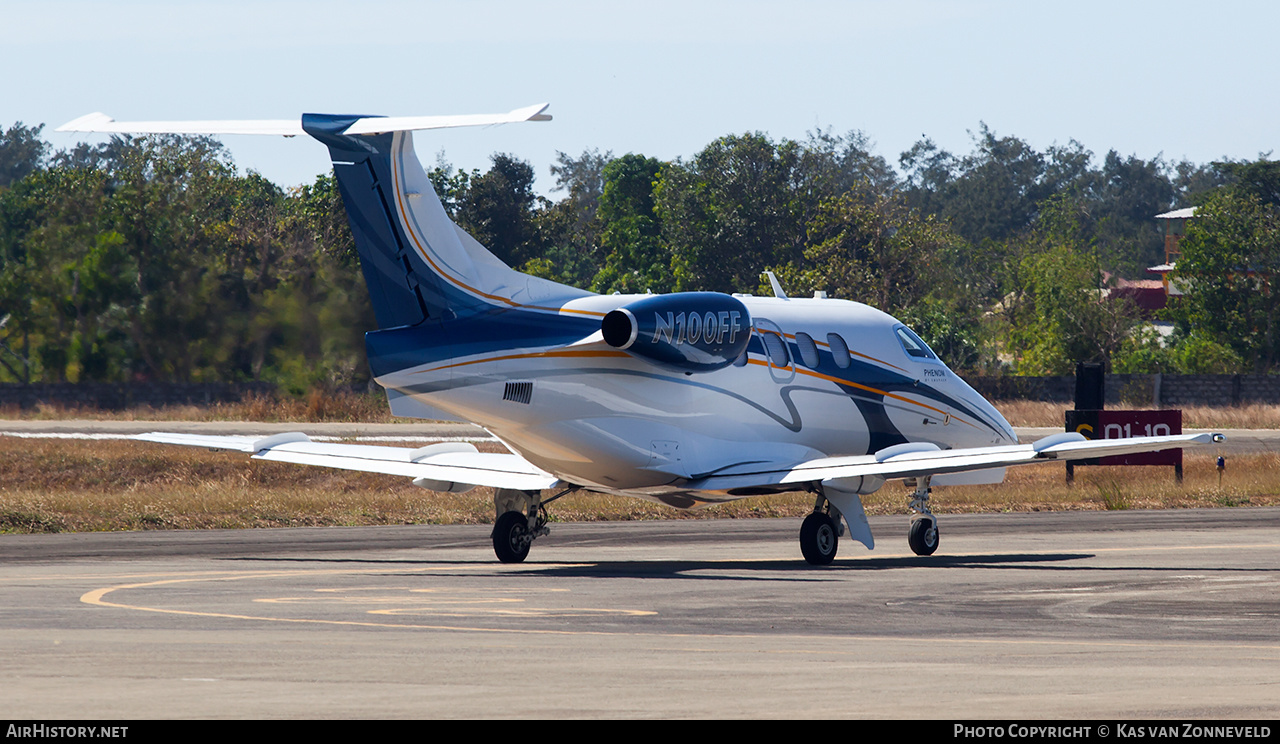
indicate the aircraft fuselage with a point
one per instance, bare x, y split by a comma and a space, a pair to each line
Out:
820, 377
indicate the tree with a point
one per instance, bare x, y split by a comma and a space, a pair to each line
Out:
498, 210
450, 185
1059, 311
64, 277
994, 192
638, 259
569, 231
871, 248
1259, 179
1129, 193
1228, 271
21, 152
731, 212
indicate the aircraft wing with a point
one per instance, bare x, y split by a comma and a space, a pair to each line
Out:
439, 467
921, 459
100, 122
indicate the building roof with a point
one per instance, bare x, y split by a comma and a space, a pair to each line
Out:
1178, 214
1139, 284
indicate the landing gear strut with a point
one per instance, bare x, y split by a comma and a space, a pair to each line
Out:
820, 533
922, 536
522, 517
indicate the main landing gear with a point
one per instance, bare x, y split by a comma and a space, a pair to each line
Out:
512, 537
922, 535
820, 533
522, 517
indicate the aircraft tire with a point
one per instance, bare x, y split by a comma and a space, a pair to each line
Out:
510, 537
819, 539
923, 536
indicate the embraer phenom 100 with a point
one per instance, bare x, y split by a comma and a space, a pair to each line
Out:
687, 399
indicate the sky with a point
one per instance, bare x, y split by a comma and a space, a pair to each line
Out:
1196, 81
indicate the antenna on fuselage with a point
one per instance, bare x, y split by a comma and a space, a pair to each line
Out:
777, 286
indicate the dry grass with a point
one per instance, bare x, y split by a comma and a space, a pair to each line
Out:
72, 485
1251, 416
321, 405
316, 406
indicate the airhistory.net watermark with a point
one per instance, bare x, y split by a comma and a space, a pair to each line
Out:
54, 731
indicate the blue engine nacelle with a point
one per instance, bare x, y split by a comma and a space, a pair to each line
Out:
686, 331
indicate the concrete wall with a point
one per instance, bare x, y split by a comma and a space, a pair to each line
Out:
1157, 390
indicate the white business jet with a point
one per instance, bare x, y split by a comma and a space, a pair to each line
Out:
687, 399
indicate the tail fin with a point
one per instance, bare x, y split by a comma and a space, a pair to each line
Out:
417, 263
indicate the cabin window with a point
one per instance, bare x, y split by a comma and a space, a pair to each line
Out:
839, 350
808, 350
777, 349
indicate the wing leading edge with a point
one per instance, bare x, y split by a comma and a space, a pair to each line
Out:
919, 459
451, 466
438, 467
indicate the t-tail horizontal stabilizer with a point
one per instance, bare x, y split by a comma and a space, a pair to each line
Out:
101, 123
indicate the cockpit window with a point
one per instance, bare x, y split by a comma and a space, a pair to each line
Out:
912, 344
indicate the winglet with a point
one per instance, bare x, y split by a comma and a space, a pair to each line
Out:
87, 123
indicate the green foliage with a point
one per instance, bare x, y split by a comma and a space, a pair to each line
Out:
1228, 268
450, 186
154, 259
995, 192
638, 259
21, 152
1058, 311
1258, 180
1143, 352
871, 248
731, 212
497, 209
1127, 194
745, 202
1198, 355
569, 229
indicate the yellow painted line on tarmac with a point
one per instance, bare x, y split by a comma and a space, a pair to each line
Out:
97, 597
